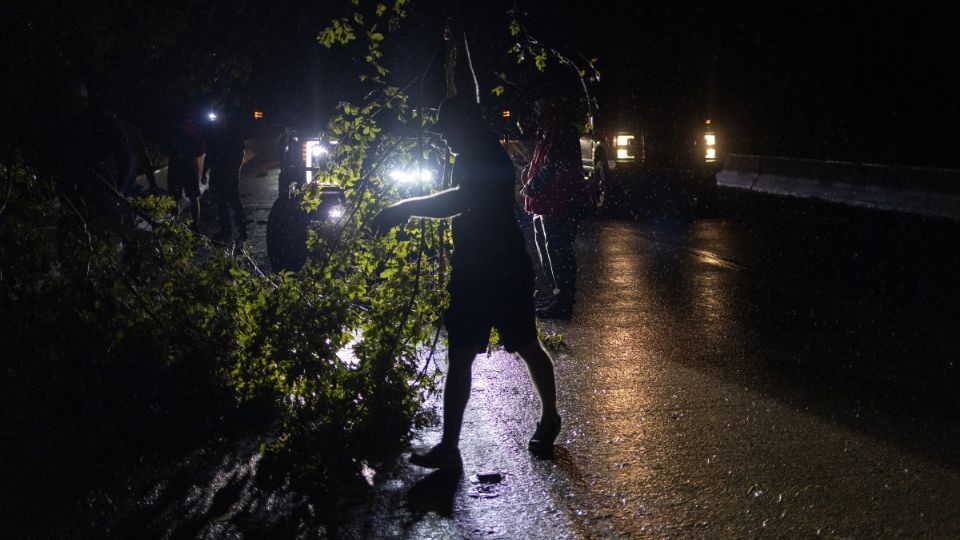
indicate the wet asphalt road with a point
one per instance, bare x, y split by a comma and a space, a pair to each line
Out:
773, 369
767, 371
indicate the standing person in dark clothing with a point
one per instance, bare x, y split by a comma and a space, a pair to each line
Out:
223, 160
93, 173
491, 284
142, 163
554, 190
94, 167
186, 149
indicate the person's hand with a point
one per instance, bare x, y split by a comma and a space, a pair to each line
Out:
387, 219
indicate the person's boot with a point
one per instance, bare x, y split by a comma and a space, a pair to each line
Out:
542, 297
556, 309
439, 457
541, 444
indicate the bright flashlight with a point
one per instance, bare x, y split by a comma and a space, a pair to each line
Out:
401, 177
410, 177
212, 116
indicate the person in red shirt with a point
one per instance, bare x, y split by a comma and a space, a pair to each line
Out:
554, 191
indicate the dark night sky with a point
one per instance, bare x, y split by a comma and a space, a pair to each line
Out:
839, 80
857, 81
820, 79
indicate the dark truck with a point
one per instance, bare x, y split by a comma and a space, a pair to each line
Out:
654, 162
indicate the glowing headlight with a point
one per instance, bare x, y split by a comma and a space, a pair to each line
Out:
411, 177
314, 149
624, 144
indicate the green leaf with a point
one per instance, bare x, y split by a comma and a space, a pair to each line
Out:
540, 60
497, 90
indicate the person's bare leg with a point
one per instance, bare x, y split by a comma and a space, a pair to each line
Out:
540, 369
540, 234
456, 393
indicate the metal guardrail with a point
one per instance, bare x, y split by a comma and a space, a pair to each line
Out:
918, 190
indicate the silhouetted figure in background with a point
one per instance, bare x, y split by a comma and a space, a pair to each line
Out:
491, 282
223, 160
186, 149
142, 164
88, 153
554, 191
89, 156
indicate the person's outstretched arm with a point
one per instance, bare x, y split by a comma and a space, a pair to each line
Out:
443, 204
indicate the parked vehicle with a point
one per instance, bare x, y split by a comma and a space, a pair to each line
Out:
301, 156
636, 160
288, 223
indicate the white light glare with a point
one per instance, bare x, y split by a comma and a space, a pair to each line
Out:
335, 213
409, 177
315, 149
711, 154
710, 139
212, 116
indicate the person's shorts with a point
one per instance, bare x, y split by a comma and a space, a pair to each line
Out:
476, 307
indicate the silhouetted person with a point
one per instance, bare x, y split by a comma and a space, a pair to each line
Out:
491, 282
142, 164
186, 148
88, 153
554, 188
89, 156
223, 160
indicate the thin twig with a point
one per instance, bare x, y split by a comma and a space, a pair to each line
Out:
6, 198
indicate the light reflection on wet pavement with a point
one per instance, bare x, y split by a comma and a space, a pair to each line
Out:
684, 416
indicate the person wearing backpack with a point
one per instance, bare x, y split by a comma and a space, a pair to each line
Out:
554, 192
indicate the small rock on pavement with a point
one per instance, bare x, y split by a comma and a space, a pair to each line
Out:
489, 477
